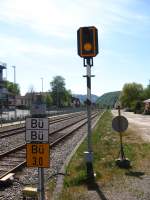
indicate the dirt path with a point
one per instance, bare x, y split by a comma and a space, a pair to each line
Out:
135, 183
139, 122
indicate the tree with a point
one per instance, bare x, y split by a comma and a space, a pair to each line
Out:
131, 93
146, 93
67, 97
12, 87
48, 100
60, 95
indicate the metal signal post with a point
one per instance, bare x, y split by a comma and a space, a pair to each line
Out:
41, 184
87, 43
120, 124
121, 144
37, 129
88, 62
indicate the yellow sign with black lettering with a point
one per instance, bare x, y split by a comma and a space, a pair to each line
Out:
38, 155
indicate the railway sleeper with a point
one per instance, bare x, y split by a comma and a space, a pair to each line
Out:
6, 180
15, 159
30, 193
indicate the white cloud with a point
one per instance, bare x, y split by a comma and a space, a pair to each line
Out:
60, 17
17, 46
45, 16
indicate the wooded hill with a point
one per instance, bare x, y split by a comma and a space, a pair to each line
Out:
108, 99
83, 97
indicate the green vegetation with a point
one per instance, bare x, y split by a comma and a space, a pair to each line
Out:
60, 95
132, 96
146, 93
48, 100
13, 88
106, 147
108, 99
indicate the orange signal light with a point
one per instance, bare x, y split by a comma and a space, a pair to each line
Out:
87, 41
87, 46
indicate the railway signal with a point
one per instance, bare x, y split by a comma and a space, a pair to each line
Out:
37, 139
120, 124
38, 155
87, 41
87, 38
37, 129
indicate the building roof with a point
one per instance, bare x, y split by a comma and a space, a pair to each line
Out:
147, 101
2, 65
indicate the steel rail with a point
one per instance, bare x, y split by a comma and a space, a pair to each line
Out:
8, 133
21, 147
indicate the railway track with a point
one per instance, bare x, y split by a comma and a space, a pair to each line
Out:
19, 130
14, 159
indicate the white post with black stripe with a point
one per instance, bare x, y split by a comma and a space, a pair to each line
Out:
39, 111
88, 62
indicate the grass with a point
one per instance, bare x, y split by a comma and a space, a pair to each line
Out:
50, 188
106, 149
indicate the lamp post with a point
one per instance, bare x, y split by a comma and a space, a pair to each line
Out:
6, 74
42, 83
15, 94
14, 73
57, 101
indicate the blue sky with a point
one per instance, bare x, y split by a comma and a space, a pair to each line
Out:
39, 38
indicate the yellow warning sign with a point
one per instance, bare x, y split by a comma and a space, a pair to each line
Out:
38, 155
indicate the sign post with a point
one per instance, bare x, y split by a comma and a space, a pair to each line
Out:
120, 124
87, 40
37, 139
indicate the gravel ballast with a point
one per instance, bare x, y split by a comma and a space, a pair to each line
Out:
29, 176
